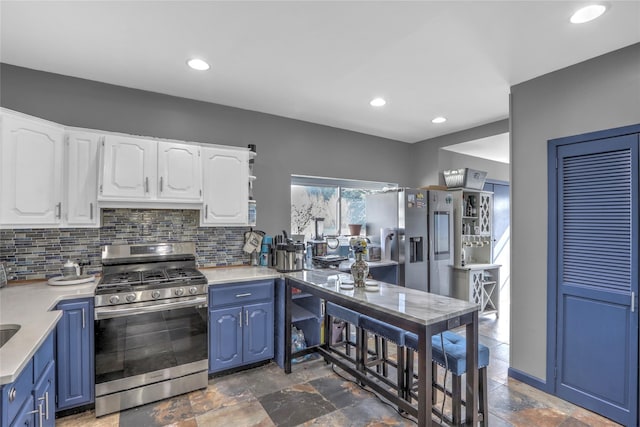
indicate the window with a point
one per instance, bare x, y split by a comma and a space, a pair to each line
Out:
339, 202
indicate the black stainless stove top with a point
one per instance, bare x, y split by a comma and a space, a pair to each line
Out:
140, 273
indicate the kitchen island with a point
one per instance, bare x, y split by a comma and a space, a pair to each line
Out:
419, 312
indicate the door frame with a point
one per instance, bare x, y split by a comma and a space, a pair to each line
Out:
549, 385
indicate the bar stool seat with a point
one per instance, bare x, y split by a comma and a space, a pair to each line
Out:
351, 318
454, 359
383, 332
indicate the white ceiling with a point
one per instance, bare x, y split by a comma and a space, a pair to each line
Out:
319, 61
494, 148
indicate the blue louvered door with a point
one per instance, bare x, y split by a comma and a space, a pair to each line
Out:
597, 277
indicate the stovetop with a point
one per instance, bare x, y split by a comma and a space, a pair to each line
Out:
140, 286
141, 273
149, 279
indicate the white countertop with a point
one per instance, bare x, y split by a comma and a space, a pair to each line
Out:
477, 266
222, 275
31, 307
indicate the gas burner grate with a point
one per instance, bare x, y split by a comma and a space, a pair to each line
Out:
126, 278
183, 273
154, 276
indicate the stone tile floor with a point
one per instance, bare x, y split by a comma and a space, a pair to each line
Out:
315, 395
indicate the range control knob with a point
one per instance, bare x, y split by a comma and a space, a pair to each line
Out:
130, 297
114, 299
179, 292
193, 290
155, 294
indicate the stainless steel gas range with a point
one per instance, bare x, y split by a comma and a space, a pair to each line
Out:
150, 325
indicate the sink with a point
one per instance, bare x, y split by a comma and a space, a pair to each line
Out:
6, 332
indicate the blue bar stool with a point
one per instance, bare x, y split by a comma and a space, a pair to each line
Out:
351, 318
380, 358
455, 347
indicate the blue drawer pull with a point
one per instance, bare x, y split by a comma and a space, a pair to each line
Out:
248, 294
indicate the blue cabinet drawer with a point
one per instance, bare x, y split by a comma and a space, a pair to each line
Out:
240, 293
43, 356
15, 394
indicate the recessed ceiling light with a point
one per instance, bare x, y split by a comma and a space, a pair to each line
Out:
438, 119
198, 64
377, 102
587, 13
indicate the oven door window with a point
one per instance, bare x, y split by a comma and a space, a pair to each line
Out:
148, 342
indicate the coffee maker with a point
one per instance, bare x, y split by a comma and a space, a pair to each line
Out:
319, 244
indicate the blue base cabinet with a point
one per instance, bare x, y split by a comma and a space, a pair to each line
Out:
75, 354
29, 400
241, 324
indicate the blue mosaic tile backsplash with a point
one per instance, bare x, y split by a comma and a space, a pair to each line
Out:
40, 253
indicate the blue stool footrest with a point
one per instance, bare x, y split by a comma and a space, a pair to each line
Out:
455, 347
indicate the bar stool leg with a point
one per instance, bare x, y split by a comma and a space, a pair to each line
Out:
408, 379
385, 356
456, 401
482, 395
434, 381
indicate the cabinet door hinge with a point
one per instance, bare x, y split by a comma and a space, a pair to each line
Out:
555, 372
100, 188
556, 163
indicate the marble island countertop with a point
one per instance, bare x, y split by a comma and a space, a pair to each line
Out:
411, 304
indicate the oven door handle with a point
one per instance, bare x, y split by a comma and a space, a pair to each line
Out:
111, 312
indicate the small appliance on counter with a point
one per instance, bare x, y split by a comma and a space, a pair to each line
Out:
374, 253
289, 254
72, 274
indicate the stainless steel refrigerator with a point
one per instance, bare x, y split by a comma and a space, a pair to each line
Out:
414, 228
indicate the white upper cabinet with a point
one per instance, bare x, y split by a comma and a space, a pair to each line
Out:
129, 169
82, 179
226, 191
179, 172
138, 170
31, 157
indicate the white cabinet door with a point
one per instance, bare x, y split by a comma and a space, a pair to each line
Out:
31, 154
82, 179
179, 172
130, 168
225, 187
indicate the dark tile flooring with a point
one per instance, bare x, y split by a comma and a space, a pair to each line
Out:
315, 395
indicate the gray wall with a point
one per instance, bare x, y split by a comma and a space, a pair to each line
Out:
598, 94
284, 146
428, 160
